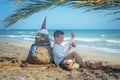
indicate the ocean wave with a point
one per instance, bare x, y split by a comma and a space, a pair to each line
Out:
101, 40
102, 35
97, 40
27, 36
65, 39
13, 36
32, 32
103, 49
20, 32
22, 36
110, 35
113, 41
87, 39
28, 39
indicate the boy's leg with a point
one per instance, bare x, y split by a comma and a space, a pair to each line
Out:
77, 57
93, 65
79, 60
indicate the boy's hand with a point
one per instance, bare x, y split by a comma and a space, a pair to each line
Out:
73, 44
70, 67
69, 64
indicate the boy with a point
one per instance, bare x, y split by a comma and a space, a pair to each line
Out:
64, 58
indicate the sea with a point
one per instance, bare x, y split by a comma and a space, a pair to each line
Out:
102, 41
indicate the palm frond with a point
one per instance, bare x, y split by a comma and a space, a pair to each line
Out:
18, 2
113, 13
26, 11
33, 6
13, 2
78, 4
115, 19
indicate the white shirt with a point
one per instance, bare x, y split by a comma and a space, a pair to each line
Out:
59, 53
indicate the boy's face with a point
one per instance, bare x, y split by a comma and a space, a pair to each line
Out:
59, 39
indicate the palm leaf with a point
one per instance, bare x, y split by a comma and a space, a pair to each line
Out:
25, 12
113, 13
115, 19
18, 2
34, 6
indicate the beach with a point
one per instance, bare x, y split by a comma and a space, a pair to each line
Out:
14, 71
21, 50
93, 56
99, 41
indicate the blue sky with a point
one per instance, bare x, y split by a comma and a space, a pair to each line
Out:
63, 18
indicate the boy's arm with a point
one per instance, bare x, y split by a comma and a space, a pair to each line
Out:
73, 44
72, 36
60, 53
68, 46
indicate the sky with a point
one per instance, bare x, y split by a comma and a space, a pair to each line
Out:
63, 18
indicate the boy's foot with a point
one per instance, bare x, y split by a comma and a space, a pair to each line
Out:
96, 65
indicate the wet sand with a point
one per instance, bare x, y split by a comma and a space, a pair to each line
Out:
12, 70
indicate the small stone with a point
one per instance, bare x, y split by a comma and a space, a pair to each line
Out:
116, 76
48, 67
24, 65
14, 60
2, 60
58, 79
16, 77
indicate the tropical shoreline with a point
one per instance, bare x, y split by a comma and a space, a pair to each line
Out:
10, 70
102, 41
22, 50
13, 49
93, 56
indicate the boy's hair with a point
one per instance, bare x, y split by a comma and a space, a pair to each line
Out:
57, 33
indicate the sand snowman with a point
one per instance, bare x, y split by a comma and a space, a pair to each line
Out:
41, 51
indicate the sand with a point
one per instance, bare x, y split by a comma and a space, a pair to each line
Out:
12, 70
104, 57
12, 49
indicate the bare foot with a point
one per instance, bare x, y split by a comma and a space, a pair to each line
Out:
69, 64
96, 65
70, 67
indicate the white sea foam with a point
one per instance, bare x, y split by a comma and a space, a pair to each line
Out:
27, 36
87, 39
113, 41
103, 35
28, 39
103, 49
67, 38
20, 32
32, 32
22, 36
13, 36
97, 40
84, 39
101, 40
